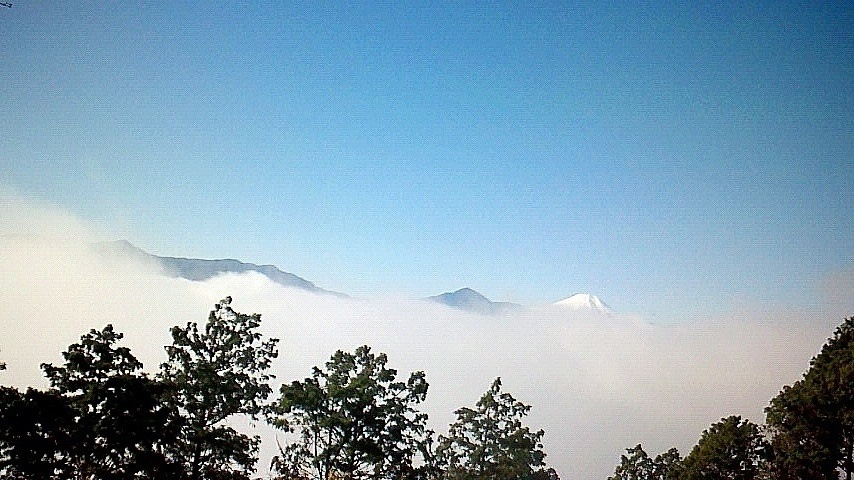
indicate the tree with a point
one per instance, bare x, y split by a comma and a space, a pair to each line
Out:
101, 418
214, 374
668, 465
36, 431
490, 442
811, 423
637, 465
354, 420
120, 423
730, 449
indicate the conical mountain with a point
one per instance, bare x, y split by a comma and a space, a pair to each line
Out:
472, 301
583, 302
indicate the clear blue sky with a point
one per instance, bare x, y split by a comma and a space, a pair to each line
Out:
672, 159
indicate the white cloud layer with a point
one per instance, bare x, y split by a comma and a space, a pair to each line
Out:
597, 384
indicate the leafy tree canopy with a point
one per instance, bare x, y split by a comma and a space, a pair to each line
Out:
36, 435
490, 441
102, 418
214, 373
730, 449
637, 465
354, 420
811, 423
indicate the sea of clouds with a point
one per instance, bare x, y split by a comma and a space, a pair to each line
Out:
597, 383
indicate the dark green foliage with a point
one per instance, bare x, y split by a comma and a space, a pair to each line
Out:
801, 436
101, 418
213, 374
731, 449
490, 442
637, 465
811, 423
120, 422
104, 419
668, 465
354, 420
36, 431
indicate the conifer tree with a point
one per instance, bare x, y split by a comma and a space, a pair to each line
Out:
213, 373
355, 420
489, 442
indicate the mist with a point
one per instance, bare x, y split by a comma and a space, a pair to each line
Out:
597, 383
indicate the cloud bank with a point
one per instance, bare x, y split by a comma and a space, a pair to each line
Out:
597, 383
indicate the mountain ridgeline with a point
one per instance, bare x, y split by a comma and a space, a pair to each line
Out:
472, 301
198, 270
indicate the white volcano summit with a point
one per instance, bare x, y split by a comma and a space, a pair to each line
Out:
583, 302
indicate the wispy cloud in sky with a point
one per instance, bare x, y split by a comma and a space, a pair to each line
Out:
598, 384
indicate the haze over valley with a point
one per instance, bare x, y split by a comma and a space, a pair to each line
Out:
598, 380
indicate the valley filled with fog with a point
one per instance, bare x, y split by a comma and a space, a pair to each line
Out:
598, 382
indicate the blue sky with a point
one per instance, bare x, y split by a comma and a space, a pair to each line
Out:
673, 159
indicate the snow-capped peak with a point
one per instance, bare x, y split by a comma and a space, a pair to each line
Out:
583, 302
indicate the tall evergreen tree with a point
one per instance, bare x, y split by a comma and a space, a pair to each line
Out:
215, 373
354, 420
490, 442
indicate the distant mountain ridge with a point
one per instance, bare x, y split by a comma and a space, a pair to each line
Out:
198, 270
472, 301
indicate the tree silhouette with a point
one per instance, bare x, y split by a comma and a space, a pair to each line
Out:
101, 418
